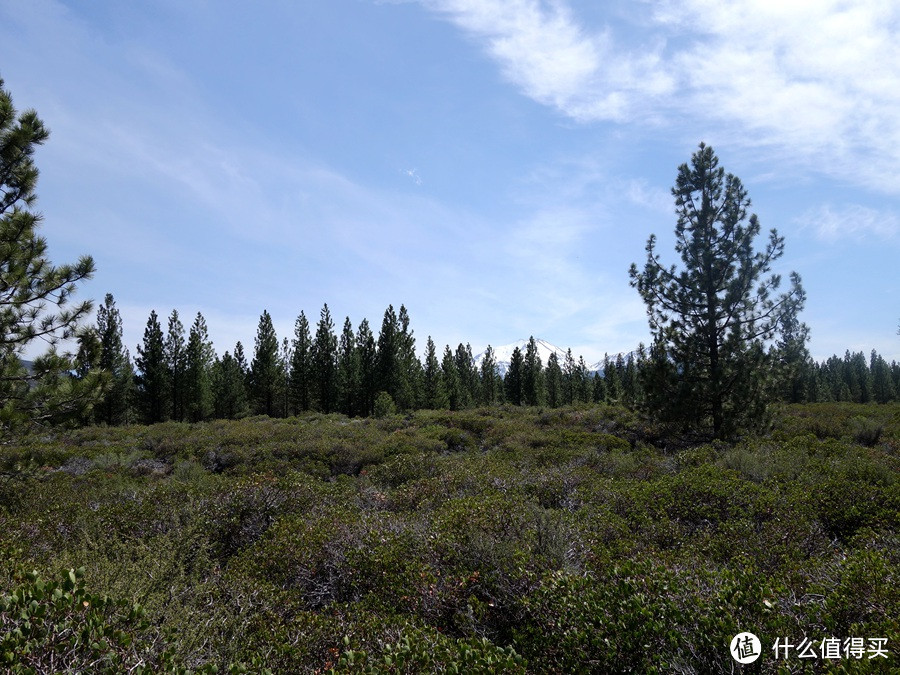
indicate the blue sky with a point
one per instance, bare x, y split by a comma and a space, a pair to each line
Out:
494, 165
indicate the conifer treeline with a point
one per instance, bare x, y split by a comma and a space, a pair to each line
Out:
178, 376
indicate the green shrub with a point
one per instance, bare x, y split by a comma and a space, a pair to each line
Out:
573, 537
58, 626
622, 621
844, 506
866, 431
707, 496
865, 601
384, 405
420, 651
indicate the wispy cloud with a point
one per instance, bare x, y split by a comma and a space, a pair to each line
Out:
817, 80
544, 50
832, 223
816, 83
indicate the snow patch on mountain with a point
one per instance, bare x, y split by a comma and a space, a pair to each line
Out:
503, 354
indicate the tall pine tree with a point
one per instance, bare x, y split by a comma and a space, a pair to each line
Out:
35, 294
554, 381
368, 366
532, 374
324, 361
490, 377
301, 366
569, 378
434, 396
265, 370
176, 363
388, 354
152, 376
409, 368
348, 371
466, 376
284, 379
450, 380
229, 388
199, 358
711, 319
513, 382
115, 406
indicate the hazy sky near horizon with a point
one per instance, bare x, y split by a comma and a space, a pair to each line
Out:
494, 165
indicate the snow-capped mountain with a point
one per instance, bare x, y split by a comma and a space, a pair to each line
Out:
503, 354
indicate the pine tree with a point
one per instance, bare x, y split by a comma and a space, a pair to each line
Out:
115, 406
858, 377
450, 380
611, 380
434, 396
833, 377
283, 393
241, 361
465, 376
583, 389
265, 369
512, 383
532, 375
348, 371
473, 382
490, 377
710, 320
882, 383
630, 386
301, 366
324, 362
199, 357
598, 386
554, 381
152, 376
366, 349
569, 376
34, 294
409, 368
176, 363
895, 378
792, 362
229, 388
388, 353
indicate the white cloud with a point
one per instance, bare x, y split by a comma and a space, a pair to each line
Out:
641, 193
850, 221
815, 82
542, 49
818, 81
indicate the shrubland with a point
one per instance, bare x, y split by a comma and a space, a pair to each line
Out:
503, 539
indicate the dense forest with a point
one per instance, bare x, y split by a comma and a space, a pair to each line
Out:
180, 377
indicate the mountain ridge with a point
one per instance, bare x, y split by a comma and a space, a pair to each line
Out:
503, 355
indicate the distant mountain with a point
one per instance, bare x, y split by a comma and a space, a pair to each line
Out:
503, 355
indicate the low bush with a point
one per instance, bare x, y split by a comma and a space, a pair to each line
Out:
56, 625
492, 540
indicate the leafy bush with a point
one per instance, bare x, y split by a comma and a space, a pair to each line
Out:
58, 626
844, 506
866, 431
445, 541
421, 651
384, 405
